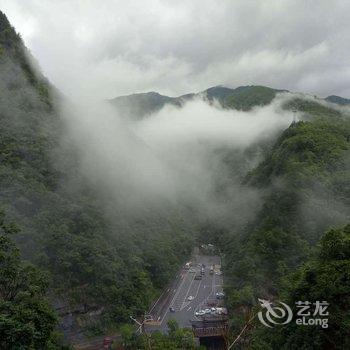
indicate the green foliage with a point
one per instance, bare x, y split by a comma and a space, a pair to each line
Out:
338, 100
304, 180
325, 277
137, 106
311, 107
247, 97
117, 263
176, 339
304, 151
27, 321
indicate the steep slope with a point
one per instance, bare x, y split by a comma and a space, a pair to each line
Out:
324, 277
113, 265
27, 321
304, 180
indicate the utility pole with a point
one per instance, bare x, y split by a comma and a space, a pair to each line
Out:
141, 329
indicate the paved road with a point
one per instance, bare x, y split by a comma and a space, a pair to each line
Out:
183, 286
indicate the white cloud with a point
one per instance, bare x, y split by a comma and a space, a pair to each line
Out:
112, 47
174, 155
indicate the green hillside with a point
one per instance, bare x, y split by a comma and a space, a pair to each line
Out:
338, 100
138, 106
247, 97
305, 182
219, 93
325, 276
63, 230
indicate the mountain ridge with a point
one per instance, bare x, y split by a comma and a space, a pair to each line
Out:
139, 105
338, 100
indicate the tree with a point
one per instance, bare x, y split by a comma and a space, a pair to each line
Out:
323, 278
27, 321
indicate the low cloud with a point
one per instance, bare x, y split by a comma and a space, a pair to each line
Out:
174, 157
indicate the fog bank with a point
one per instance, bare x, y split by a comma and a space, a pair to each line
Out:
174, 156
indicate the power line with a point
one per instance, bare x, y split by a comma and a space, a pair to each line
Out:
242, 331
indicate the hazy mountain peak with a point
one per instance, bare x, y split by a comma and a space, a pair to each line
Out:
9, 39
138, 105
218, 92
337, 99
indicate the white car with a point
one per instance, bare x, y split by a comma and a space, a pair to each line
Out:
220, 295
213, 310
199, 313
221, 311
191, 297
207, 311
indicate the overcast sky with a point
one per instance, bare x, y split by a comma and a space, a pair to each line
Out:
109, 48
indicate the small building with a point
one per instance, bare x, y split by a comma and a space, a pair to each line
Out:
212, 331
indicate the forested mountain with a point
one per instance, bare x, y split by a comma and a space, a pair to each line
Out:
243, 98
337, 99
137, 106
85, 263
305, 179
110, 270
325, 276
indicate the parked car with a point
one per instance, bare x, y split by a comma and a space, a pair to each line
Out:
200, 313
221, 311
220, 295
171, 309
191, 297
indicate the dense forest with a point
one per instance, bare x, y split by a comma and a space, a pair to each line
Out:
73, 260
305, 179
63, 229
